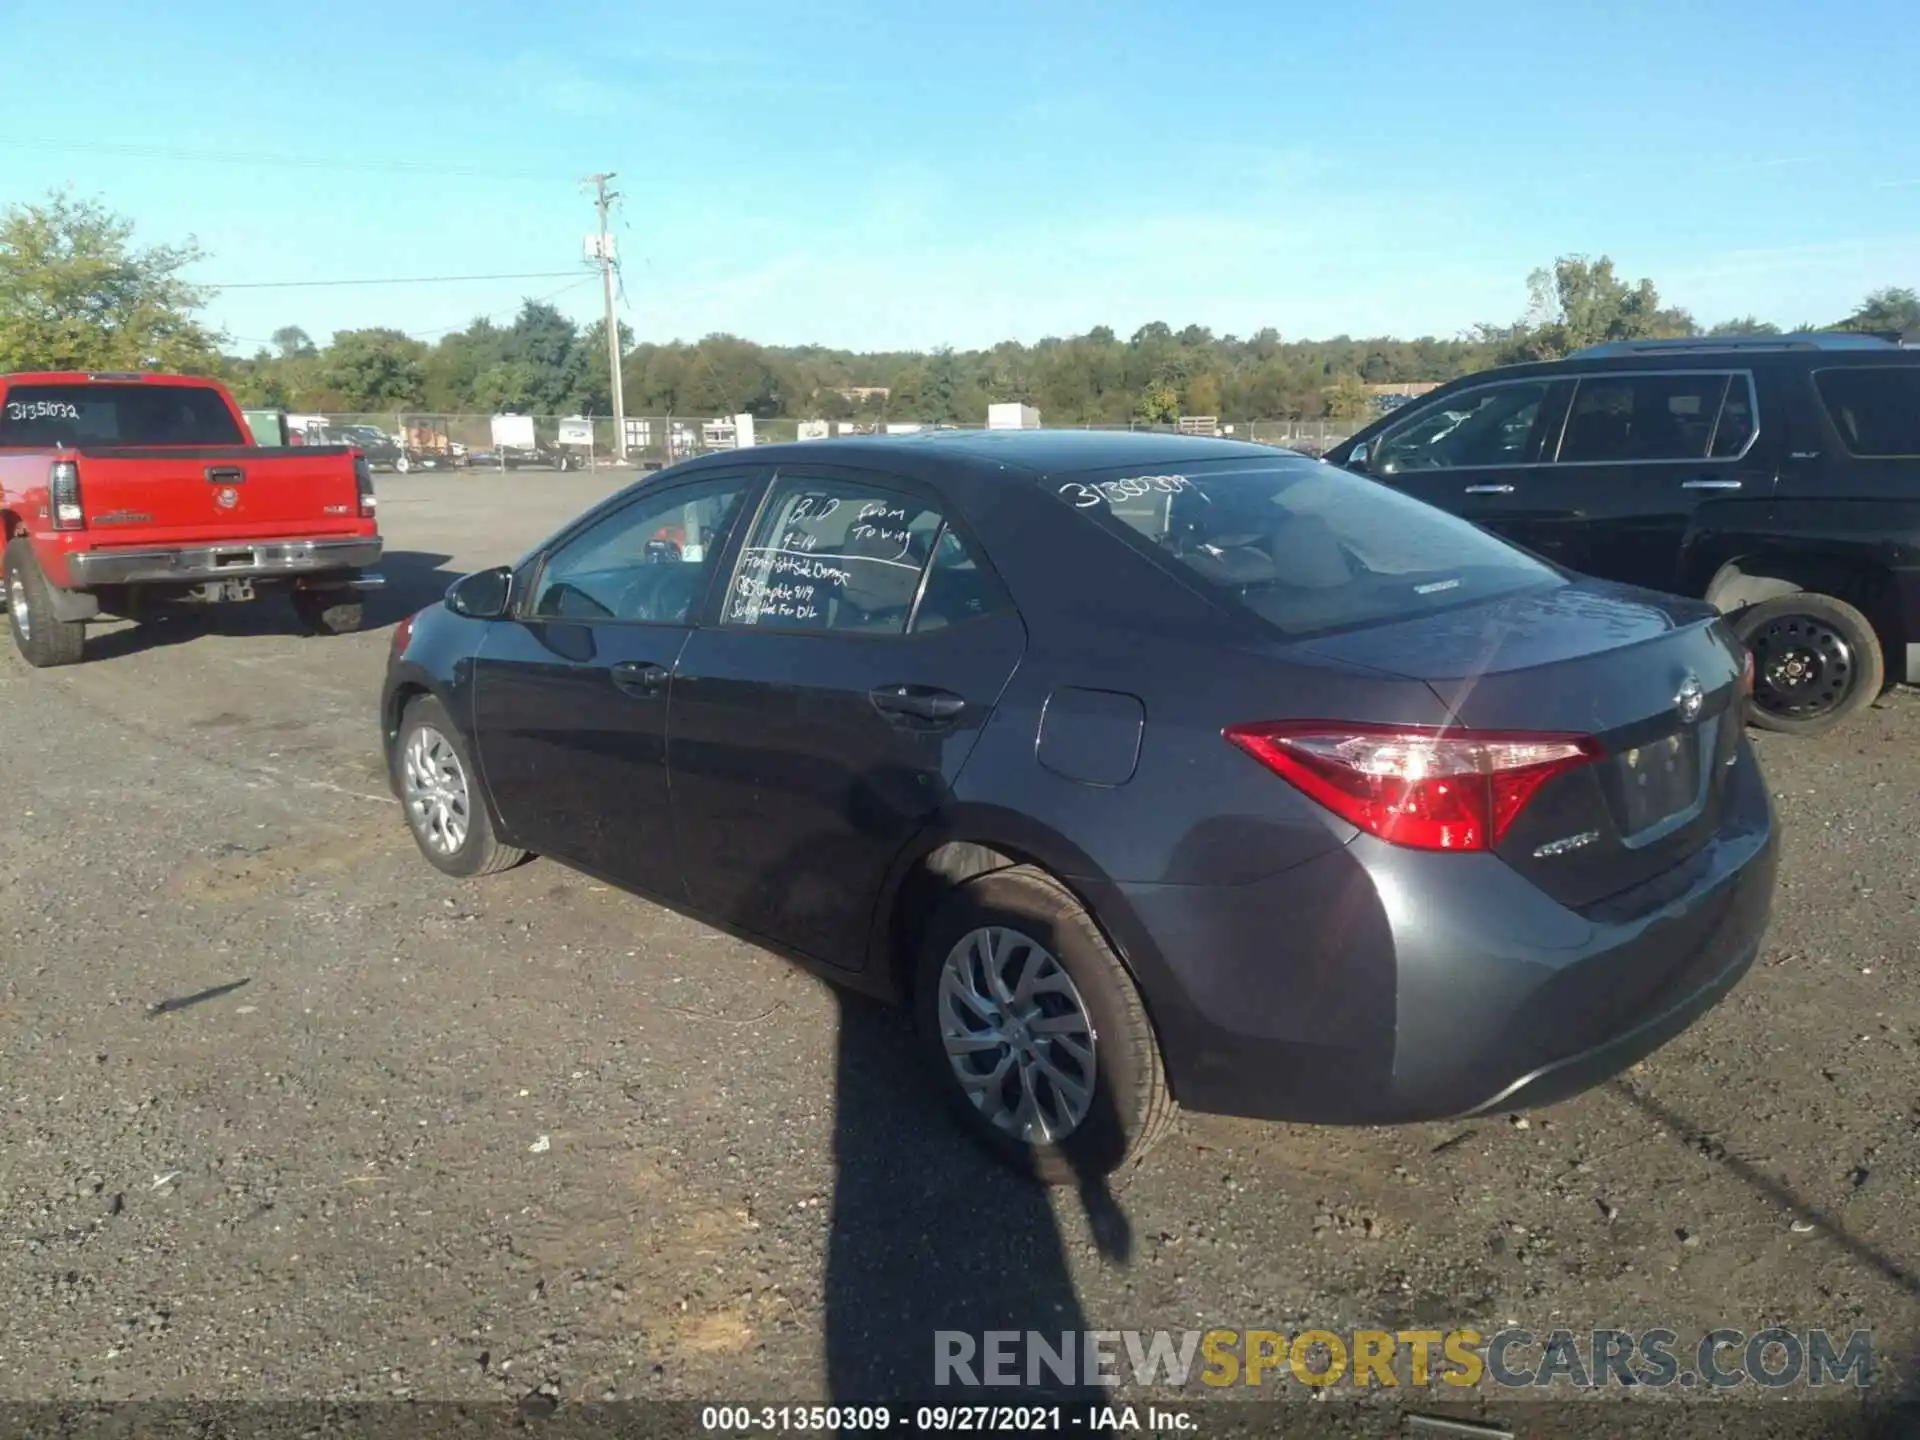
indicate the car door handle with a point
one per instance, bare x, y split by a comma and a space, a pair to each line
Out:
638, 677
1710, 484
917, 702
1489, 489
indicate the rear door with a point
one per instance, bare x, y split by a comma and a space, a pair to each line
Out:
1640, 455
570, 694
860, 646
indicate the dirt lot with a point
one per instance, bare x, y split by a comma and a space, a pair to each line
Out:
287, 1114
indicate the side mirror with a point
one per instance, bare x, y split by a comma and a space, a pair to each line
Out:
1358, 459
483, 595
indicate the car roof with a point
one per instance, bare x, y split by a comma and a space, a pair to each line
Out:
1741, 353
1045, 452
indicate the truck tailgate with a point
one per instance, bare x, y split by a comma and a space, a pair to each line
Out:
167, 494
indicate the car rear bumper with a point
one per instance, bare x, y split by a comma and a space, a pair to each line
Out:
1418, 987
251, 559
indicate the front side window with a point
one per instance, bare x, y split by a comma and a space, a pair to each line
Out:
1307, 547
844, 555
1876, 408
649, 561
1616, 418
117, 413
1490, 426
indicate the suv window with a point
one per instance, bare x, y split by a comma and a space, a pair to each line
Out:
845, 555
1488, 426
649, 561
1617, 418
1307, 546
1875, 408
117, 414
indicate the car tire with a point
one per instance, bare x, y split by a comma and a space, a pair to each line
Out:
438, 785
43, 638
402, 465
330, 612
1021, 918
1817, 662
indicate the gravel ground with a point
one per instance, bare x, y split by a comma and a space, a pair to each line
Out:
286, 1114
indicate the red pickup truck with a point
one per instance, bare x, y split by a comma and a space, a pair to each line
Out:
120, 490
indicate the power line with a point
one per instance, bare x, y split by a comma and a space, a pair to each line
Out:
291, 162
399, 280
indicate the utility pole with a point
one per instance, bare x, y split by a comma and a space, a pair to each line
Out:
603, 202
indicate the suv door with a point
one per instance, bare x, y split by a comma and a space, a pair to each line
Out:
1475, 452
570, 694
860, 646
1639, 456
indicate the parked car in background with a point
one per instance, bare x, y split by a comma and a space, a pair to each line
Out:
1778, 478
117, 491
1146, 769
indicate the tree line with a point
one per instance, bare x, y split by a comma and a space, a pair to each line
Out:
78, 291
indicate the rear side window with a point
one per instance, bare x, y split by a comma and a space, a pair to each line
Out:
117, 414
1307, 547
843, 555
1876, 409
1618, 418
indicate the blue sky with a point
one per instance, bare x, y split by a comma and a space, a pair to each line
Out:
873, 173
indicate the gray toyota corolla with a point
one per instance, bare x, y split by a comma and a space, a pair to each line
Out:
1146, 769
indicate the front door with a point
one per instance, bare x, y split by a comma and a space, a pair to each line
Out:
820, 724
1477, 453
571, 694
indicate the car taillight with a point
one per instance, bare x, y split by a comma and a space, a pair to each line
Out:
402, 633
363, 482
1746, 674
63, 496
1423, 788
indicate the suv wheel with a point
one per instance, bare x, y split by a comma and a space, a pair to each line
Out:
1035, 1032
444, 807
1816, 661
44, 639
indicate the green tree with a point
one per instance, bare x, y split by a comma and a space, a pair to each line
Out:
1745, 325
290, 342
1581, 302
76, 293
1895, 309
1348, 398
374, 370
1159, 404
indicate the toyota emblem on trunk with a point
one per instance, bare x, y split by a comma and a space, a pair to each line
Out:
226, 497
1690, 700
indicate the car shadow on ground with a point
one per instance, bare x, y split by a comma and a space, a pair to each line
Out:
929, 1231
415, 579
931, 1234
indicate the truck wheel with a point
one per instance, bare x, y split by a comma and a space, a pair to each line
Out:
329, 612
402, 465
1816, 662
43, 637
1035, 1031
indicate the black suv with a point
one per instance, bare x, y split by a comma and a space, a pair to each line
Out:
1778, 478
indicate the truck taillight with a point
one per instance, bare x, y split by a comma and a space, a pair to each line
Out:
363, 482
63, 496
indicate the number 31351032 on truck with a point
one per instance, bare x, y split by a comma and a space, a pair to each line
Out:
123, 491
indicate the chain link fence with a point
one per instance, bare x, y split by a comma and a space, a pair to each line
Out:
406, 442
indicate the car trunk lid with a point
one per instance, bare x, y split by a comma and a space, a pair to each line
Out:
1655, 682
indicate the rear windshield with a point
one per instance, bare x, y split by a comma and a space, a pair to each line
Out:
1875, 408
1304, 545
117, 414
